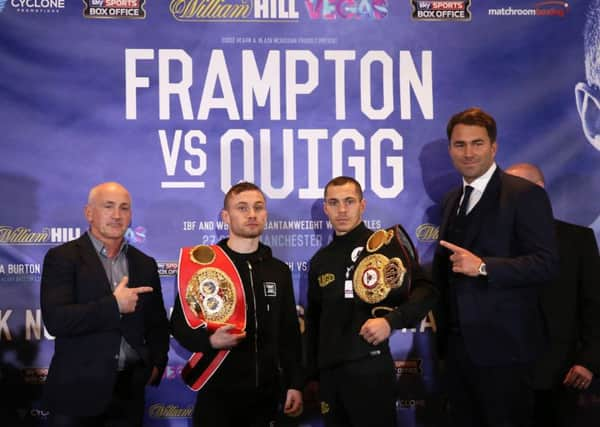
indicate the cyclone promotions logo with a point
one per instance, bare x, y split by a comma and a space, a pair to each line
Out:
37, 6
427, 232
234, 10
372, 10
114, 9
136, 235
441, 10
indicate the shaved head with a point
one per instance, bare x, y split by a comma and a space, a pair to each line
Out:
527, 171
108, 212
98, 190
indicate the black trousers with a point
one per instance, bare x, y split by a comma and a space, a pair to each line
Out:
555, 407
486, 396
360, 393
249, 408
126, 407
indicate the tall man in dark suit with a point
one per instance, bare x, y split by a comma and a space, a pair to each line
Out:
101, 299
497, 247
571, 306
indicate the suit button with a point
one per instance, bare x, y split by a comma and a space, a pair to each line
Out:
116, 357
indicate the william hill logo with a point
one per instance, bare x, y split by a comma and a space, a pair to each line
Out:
234, 10
427, 232
25, 236
159, 410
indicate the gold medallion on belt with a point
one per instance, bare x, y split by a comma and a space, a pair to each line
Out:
376, 274
210, 291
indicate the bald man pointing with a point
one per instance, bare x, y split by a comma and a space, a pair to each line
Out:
101, 299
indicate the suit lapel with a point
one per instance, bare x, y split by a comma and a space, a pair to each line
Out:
487, 205
450, 209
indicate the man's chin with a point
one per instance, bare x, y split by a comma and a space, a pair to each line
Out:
251, 235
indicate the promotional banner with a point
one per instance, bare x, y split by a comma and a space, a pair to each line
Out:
178, 100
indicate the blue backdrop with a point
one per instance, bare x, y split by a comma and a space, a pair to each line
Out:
178, 100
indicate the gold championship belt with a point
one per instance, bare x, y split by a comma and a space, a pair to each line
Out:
384, 267
211, 295
210, 292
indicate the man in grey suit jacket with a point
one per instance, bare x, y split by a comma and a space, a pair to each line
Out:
571, 306
101, 299
497, 247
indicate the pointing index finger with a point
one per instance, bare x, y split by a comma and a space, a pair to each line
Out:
451, 246
142, 289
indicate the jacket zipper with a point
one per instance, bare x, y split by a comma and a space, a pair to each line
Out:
255, 323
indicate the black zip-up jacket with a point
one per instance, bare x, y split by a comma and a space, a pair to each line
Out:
333, 321
270, 355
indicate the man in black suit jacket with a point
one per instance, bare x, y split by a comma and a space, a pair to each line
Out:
101, 299
571, 306
497, 247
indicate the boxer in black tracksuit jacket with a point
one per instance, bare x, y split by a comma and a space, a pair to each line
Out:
356, 378
247, 387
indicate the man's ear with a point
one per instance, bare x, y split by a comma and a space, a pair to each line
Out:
225, 216
588, 107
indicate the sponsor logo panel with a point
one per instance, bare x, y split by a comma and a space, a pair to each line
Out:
347, 9
167, 268
234, 10
552, 8
163, 410
427, 232
19, 235
35, 6
114, 9
441, 10
20, 272
408, 367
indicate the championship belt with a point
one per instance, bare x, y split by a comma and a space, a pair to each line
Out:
384, 268
211, 295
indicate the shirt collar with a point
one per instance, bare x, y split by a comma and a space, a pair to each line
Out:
480, 183
101, 249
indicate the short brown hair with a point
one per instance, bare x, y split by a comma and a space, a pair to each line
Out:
473, 117
341, 180
241, 187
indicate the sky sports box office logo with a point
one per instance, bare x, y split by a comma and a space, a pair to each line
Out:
441, 10
114, 9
